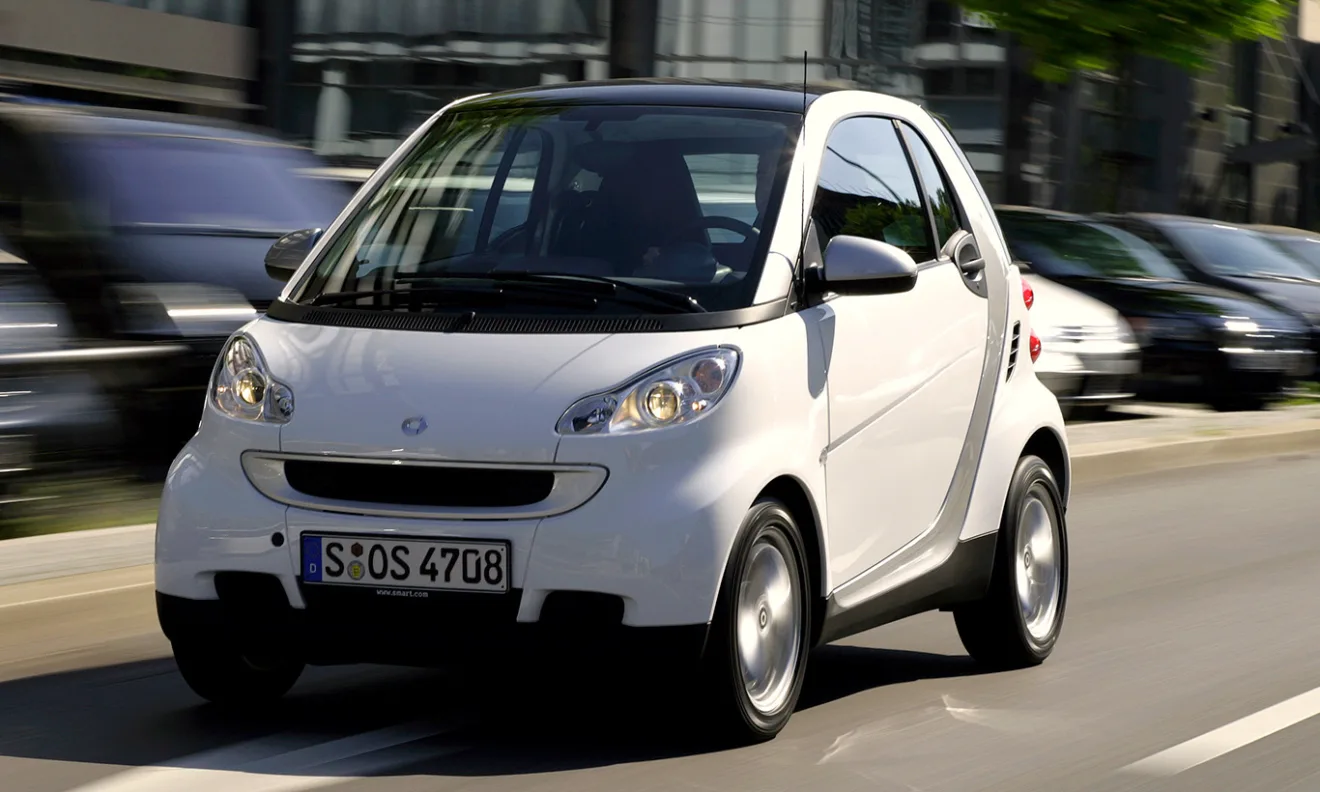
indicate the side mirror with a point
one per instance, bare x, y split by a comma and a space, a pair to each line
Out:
856, 265
287, 254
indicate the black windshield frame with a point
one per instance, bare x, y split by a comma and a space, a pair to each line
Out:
737, 296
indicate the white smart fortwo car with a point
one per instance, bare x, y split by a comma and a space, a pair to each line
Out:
566, 373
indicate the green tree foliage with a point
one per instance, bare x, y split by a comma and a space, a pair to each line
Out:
1068, 35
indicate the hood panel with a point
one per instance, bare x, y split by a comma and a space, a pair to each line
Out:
1304, 298
1179, 298
236, 263
1057, 305
485, 398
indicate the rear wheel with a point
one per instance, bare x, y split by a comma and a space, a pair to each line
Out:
757, 656
1017, 623
228, 677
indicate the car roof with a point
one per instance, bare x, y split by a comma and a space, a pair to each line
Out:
689, 92
75, 119
1156, 218
1276, 230
1048, 214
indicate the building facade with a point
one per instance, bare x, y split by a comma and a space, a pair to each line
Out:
351, 78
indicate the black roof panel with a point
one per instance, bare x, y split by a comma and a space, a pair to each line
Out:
741, 94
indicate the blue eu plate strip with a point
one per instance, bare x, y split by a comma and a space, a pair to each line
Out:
311, 559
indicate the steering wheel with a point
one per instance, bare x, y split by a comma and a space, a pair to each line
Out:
726, 223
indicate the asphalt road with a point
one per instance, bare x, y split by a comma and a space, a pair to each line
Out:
1192, 609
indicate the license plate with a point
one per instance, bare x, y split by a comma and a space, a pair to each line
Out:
1110, 365
413, 564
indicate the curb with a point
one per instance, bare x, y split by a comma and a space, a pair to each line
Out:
1100, 466
61, 555
77, 552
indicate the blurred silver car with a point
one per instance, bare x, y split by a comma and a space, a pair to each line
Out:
1089, 356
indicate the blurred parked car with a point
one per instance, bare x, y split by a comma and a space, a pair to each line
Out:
1211, 344
1089, 357
1235, 257
153, 229
54, 416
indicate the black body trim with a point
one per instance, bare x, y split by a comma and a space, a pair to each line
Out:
964, 577
681, 92
542, 324
343, 625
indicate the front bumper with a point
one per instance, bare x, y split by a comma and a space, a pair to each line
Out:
646, 551
343, 626
1090, 377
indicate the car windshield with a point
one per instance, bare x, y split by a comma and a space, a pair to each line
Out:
164, 180
679, 199
1237, 252
1076, 249
1303, 247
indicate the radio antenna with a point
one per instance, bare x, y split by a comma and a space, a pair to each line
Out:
802, 147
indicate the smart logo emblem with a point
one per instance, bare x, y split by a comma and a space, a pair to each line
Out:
414, 426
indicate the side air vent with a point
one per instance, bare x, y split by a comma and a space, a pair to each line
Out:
1013, 349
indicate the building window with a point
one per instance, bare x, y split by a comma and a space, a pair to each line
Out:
981, 82
941, 21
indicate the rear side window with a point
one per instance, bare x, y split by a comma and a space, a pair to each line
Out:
867, 189
942, 204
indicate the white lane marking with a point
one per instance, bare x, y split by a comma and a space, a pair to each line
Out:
280, 763
76, 595
1235, 735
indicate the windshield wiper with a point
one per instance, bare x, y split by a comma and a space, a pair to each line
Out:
597, 285
441, 295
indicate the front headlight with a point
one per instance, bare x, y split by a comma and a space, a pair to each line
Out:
1125, 334
241, 386
679, 391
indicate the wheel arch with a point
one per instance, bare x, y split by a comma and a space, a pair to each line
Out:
790, 491
1046, 444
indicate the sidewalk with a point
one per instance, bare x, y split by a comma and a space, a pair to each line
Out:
1139, 439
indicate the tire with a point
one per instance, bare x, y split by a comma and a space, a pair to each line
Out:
1238, 401
1087, 412
228, 678
766, 568
1005, 629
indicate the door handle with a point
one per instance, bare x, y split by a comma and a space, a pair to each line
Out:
972, 267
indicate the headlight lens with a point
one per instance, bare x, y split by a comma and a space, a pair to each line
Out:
242, 387
677, 392
1240, 325
1125, 335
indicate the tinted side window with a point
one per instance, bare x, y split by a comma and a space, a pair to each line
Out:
947, 217
867, 189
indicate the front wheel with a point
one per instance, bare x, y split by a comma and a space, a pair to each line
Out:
757, 656
230, 678
1017, 623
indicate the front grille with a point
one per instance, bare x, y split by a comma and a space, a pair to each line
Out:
419, 485
1077, 333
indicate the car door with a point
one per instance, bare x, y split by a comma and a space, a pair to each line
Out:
905, 368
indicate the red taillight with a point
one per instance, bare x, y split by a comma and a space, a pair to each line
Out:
1035, 346
1028, 296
